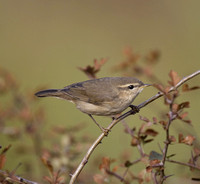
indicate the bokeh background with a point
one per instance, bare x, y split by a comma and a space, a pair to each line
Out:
42, 42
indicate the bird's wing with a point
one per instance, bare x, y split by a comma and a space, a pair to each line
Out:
95, 92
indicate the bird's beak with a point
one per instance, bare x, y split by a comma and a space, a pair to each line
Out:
146, 85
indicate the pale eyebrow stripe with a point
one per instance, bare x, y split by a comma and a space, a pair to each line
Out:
126, 85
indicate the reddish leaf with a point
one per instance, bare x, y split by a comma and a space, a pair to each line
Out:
99, 179
175, 107
174, 78
151, 132
134, 141
154, 162
186, 88
144, 119
105, 164
183, 115
91, 71
47, 163
183, 105
153, 56
115, 168
149, 169
186, 140
160, 87
5, 149
163, 123
2, 161
172, 138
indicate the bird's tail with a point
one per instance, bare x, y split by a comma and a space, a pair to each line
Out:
49, 92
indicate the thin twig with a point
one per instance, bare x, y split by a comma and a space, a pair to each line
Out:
185, 164
123, 116
15, 178
172, 116
117, 176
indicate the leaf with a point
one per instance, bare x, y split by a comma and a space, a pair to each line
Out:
175, 108
182, 116
183, 105
163, 89
174, 78
105, 164
134, 141
153, 56
3, 156
151, 132
155, 156
172, 138
172, 155
115, 168
5, 149
144, 119
154, 164
2, 161
91, 71
163, 123
47, 163
99, 179
160, 87
147, 140
186, 140
186, 88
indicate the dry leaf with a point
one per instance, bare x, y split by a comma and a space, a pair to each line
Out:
186, 140
183, 105
153, 56
105, 164
172, 138
151, 132
2, 161
134, 141
174, 78
163, 123
186, 88
91, 71
115, 168
99, 179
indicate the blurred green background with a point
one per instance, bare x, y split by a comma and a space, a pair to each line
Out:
42, 42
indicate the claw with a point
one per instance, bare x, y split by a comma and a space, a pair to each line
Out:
105, 131
134, 108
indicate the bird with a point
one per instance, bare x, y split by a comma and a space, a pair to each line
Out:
108, 96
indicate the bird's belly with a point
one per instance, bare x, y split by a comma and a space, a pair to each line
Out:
106, 109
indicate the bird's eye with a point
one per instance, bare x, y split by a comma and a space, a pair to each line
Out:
131, 86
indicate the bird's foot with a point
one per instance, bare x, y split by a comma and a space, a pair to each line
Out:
105, 131
134, 108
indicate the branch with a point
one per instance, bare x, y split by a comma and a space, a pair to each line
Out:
15, 179
123, 116
185, 164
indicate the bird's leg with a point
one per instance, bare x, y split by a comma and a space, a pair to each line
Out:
105, 131
134, 108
